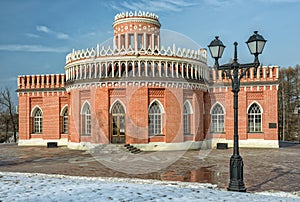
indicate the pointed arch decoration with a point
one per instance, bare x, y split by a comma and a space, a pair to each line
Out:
36, 107
119, 102
220, 104
255, 102
159, 104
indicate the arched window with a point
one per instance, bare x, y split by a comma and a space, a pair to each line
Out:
217, 119
86, 119
187, 118
155, 119
254, 118
64, 120
38, 121
118, 123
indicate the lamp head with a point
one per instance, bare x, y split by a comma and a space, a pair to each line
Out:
256, 43
216, 48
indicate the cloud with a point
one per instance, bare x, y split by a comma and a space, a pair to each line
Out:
30, 35
45, 29
32, 48
153, 5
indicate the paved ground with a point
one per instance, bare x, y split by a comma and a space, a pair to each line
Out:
264, 169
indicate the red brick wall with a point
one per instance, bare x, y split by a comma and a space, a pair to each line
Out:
50, 104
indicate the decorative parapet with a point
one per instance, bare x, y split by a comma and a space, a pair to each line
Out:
136, 14
184, 53
139, 16
49, 81
262, 73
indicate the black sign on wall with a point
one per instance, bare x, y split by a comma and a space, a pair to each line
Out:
272, 125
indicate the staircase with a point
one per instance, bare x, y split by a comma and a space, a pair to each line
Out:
115, 149
132, 149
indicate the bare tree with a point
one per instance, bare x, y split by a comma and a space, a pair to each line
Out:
8, 106
289, 104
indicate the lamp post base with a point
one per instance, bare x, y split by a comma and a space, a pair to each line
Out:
236, 174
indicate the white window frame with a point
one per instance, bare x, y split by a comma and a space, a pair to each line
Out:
254, 118
217, 118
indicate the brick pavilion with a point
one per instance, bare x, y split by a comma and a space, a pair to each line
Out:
138, 92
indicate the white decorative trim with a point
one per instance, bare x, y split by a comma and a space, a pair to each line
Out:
117, 100
62, 111
261, 109
217, 103
42, 142
34, 109
249, 143
167, 84
159, 104
83, 105
190, 106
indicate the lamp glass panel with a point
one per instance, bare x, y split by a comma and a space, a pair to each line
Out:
252, 47
260, 46
221, 51
214, 51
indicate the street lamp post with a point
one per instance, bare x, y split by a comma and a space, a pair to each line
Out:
255, 44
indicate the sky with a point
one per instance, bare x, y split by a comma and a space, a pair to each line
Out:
36, 35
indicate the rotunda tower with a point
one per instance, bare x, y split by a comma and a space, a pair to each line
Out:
137, 31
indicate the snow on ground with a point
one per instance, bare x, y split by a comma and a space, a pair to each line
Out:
44, 187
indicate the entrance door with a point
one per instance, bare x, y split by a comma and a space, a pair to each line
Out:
118, 124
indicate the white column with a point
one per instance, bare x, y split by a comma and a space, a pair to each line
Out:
112, 69
258, 73
80, 67
139, 68
264, 72
85, 71
192, 71
106, 70
119, 41
73, 72
90, 71
133, 68
66, 72
126, 68
271, 72
100, 69
95, 70
76, 72
120, 68
153, 68
177, 70
146, 68
167, 67
172, 70
159, 68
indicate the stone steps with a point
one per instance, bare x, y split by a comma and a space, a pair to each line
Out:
132, 149
115, 149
